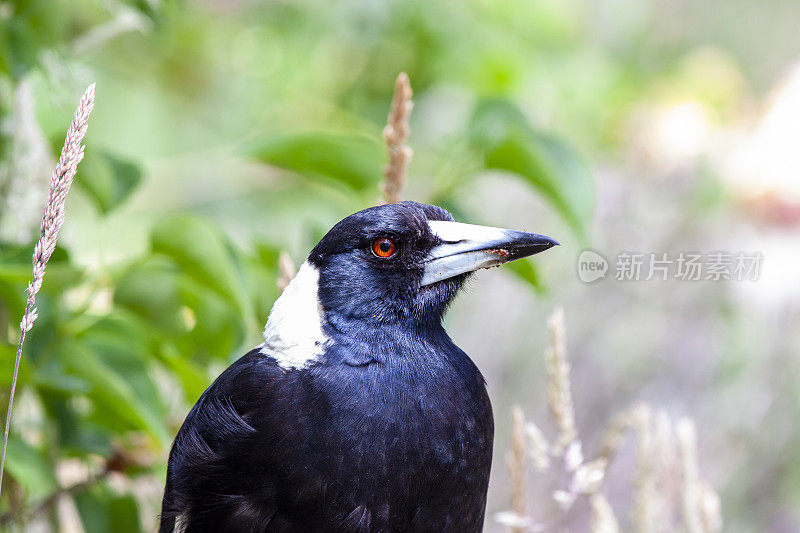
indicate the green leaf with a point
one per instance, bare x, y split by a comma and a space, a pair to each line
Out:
527, 271
502, 134
124, 350
115, 400
203, 253
192, 377
148, 7
15, 273
55, 381
73, 432
8, 355
123, 514
355, 161
19, 45
31, 28
102, 510
180, 311
262, 282
15, 267
107, 179
219, 330
30, 468
149, 289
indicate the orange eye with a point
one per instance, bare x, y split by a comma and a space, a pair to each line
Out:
384, 247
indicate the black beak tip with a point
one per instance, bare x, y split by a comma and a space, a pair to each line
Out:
542, 242
531, 244
552, 242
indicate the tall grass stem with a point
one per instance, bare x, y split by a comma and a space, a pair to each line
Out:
52, 220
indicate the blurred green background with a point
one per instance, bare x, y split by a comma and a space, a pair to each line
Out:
226, 131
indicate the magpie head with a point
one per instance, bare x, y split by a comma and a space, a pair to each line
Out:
405, 262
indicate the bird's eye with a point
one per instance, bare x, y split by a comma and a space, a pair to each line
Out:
384, 247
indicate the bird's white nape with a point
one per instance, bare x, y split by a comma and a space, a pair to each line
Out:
293, 335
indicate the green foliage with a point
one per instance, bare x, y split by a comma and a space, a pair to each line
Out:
31, 467
508, 142
354, 161
34, 26
202, 253
119, 388
527, 271
103, 510
107, 179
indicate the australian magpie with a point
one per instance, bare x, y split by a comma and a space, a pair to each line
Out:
358, 413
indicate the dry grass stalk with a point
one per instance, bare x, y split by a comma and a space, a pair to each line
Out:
517, 466
603, 518
664, 477
52, 220
589, 477
286, 268
711, 508
615, 433
665, 461
396, 135
699, 502
538, 447
690, 497
559, 394
644, 512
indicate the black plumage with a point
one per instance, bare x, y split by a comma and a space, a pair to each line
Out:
387, 427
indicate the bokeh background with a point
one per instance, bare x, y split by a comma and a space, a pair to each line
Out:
226, 131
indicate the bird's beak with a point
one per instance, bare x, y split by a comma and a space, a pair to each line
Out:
467, 247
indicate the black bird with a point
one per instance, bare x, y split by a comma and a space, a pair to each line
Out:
358, 413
